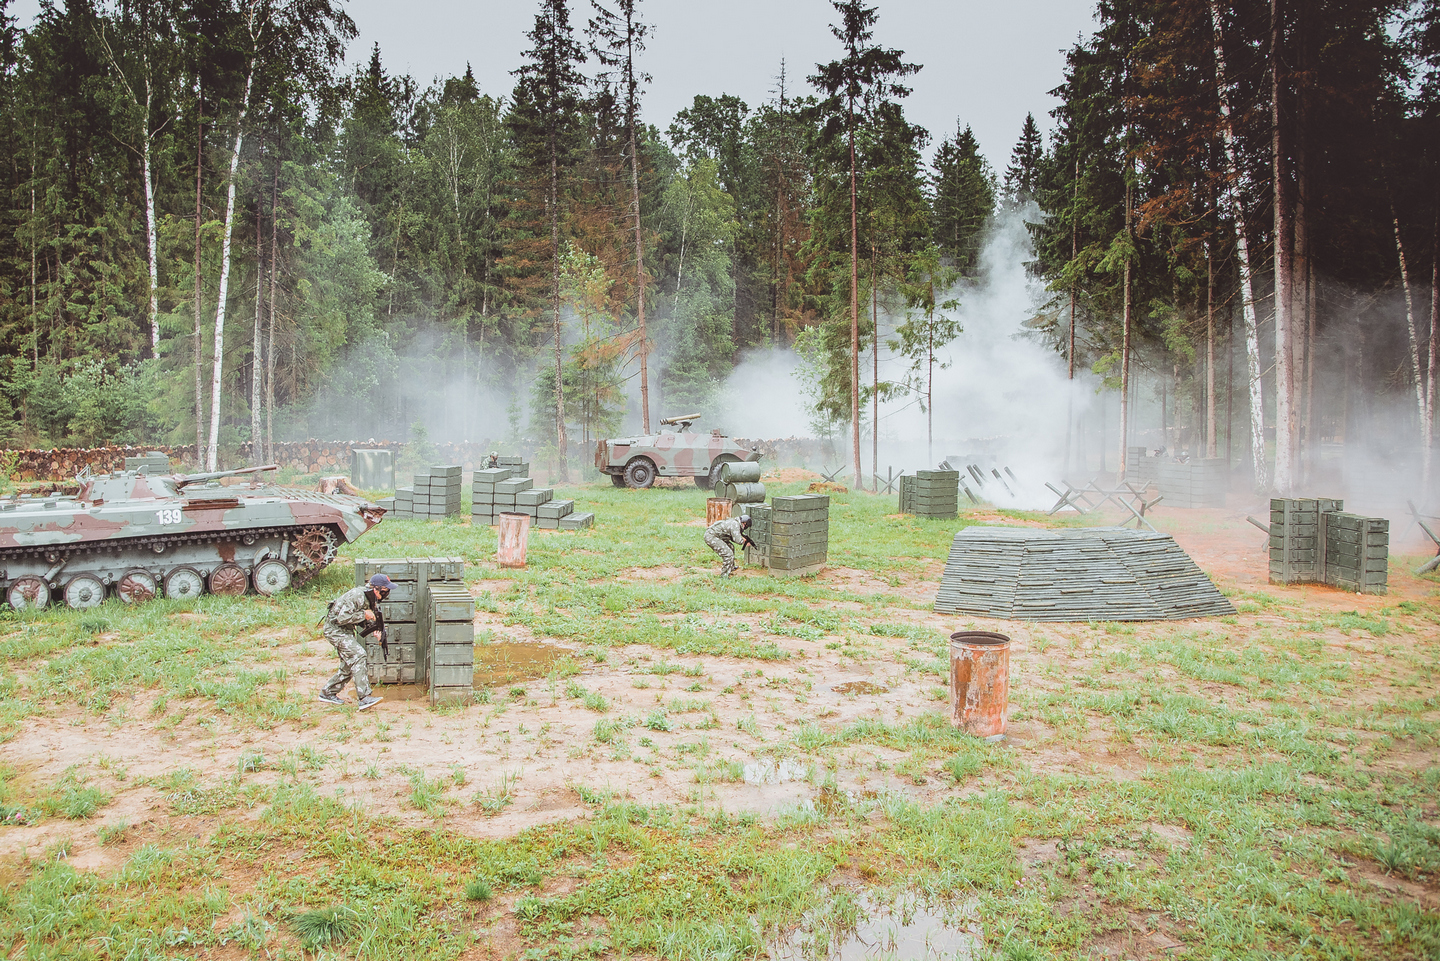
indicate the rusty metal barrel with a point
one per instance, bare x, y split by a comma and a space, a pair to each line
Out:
514, 538
979, 682
716, 509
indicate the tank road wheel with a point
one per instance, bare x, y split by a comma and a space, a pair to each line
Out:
312, 552
84, 591
28, 593
271, 577
711, 480
617, 479
184, 584
229, 580
640, 473
136, 587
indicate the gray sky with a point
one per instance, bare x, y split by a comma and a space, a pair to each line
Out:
986, 62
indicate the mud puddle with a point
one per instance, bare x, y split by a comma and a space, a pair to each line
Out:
768, 771
504, 662
868, 928
860, 687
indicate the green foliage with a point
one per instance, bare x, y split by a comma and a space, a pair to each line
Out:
322, 927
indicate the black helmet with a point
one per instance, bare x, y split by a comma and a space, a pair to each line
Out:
379, 582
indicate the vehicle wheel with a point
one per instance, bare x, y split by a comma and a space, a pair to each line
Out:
639, 473
136, 587
28, 593
311, 552
271, 577
184, 584
229, 580
618, 480
711, 480
84, 591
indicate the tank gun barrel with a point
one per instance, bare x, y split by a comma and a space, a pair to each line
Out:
216, 475
672, 421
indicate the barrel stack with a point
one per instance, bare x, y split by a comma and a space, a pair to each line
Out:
740, 484
407, 613
931, 494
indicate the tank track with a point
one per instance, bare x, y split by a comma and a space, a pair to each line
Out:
55, 553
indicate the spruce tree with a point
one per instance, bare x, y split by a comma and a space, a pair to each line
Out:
962, 200
1022, 176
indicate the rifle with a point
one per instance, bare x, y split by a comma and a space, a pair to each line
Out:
377, 625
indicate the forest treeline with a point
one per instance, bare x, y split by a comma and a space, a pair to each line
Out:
209, 223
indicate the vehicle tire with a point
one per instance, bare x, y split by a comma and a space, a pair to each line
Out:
184, 584
639, 473
136, 587
271, 577
229, 580
84, 591
28, 593
617, 479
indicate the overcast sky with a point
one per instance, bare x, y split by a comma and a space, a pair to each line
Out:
986, 62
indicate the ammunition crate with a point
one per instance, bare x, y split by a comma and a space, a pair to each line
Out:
513, 486
576, 522
555, 509
533, 497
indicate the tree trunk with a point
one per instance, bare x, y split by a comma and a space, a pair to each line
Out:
1260, 475
1427, 423
257, 343
212, 452
270, 334
854, 308
563, 467
199, 336
639, 269
1284, 265
1211, 441
150, 240
875, 381
1125, 355
1070, 349
1409, 316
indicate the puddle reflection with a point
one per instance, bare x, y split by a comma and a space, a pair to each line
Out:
868, 928
770, 771
504, 662
860, 687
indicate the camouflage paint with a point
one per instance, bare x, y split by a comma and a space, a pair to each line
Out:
674, 453
128, 524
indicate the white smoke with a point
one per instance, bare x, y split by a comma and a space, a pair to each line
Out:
1002, 398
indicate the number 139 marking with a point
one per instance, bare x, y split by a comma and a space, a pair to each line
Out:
168, 516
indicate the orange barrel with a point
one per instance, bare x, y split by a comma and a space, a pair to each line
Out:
979, 682
716, 509
514, 536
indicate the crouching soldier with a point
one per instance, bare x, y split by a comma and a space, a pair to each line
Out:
723, 537
356, 608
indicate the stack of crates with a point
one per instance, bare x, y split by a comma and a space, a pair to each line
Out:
407, 613
153, 463
1196, 483
798, 538
1357, 552
434, 494
759, 555
452, 642
931, 493
1295, 544
517, 466
497, 490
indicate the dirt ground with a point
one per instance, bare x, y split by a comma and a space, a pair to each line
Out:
733, 721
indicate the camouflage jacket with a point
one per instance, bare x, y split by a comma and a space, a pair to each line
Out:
348, 610
727, 530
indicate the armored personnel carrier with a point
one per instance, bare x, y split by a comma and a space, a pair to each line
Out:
137, 536
637, 461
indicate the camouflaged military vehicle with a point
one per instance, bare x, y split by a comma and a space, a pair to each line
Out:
136, 535
637, 461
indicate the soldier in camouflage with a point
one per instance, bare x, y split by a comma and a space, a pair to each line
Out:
724, 536
355, 608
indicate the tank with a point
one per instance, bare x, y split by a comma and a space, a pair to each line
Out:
637, 461
136, 536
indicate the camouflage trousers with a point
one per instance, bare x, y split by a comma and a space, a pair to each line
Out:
722, 547
352, 661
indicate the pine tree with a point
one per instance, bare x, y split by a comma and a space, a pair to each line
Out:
1022, 176
962, 200
544, 120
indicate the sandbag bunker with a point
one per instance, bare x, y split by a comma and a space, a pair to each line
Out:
1091, 574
